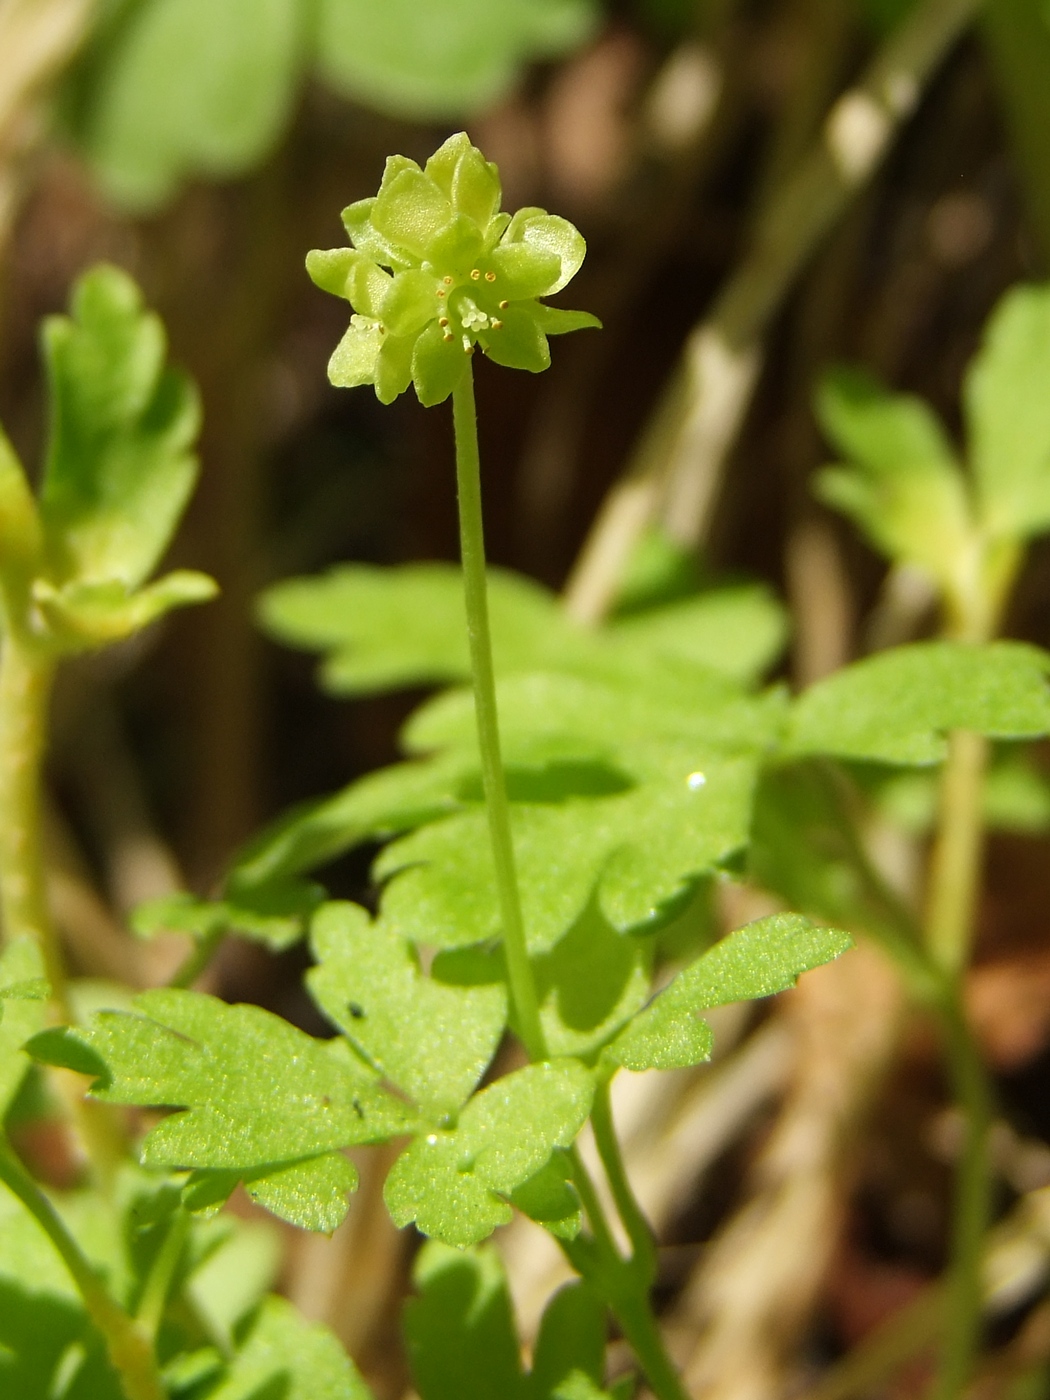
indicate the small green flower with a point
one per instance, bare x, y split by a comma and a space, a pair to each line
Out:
436, 269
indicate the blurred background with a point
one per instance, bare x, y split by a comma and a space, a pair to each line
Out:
766, 187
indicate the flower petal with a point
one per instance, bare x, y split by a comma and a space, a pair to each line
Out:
469, 180
410, 302
367, 287
393, 372
357, 220
329, 268
523, 271
437, 365
553, 320
518, 343
353, 360
411, 211
555, 235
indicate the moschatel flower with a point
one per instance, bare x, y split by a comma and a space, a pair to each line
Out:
435, 269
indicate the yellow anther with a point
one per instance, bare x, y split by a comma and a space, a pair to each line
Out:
497, 325
475, 274
447, 281
490, 277
441, 292
503, 305
448, 336
442, 320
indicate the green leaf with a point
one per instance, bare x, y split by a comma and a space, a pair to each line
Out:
274, 913
571, 1341
447, 59
86, 615
119, 468
756, 961
385, 628
431, 1036
550, 1199
1008, 415
23, 991
460, 1329
176, 88
21, 537
287, 1357
898, 706
737, 631
610, 789
903, 485
258, 1096
591, 982
454, 1184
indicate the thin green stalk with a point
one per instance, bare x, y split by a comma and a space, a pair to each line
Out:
971, 1208
624, 1289
472, 549
197, 959
955, 864
631, 1213
130, 1350
26, 677
162, 1274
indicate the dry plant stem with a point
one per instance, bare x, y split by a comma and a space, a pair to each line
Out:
128, 1345
675, 472
25, 691
472, 551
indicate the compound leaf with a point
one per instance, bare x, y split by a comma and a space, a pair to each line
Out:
571, 1340
1008, 414
454, 1184
23, 994
431, 1036
174, 88
897, 707
120, 466
259, 1097
284, 1355
460, 1328
903, 485
443, 60
758, 960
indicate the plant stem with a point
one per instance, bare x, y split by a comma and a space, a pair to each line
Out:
25, 689
162, 1274
971, 1207
624, 1288
472, 550
635, 1223
956, 860
129, 1348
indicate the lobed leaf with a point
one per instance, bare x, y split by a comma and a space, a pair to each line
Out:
903, 485
897, 707
260, 1100
1008, 414
284, 1355
23, 994
432, 1036
758, 960
120, 468
454, 1184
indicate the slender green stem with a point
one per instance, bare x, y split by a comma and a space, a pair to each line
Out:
198, 959
956, 861
472, 548
129, 1348
634, 1221
162, 1274
971, 1207
25, 689
623, 1287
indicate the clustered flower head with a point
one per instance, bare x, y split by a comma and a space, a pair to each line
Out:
435, 269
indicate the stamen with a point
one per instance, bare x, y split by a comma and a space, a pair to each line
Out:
497, 325
447, 281
490, 277
503, 305
475, 274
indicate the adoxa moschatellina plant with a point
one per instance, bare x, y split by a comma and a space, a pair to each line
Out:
437, 269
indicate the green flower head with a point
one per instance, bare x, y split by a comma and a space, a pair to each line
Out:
435, 269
